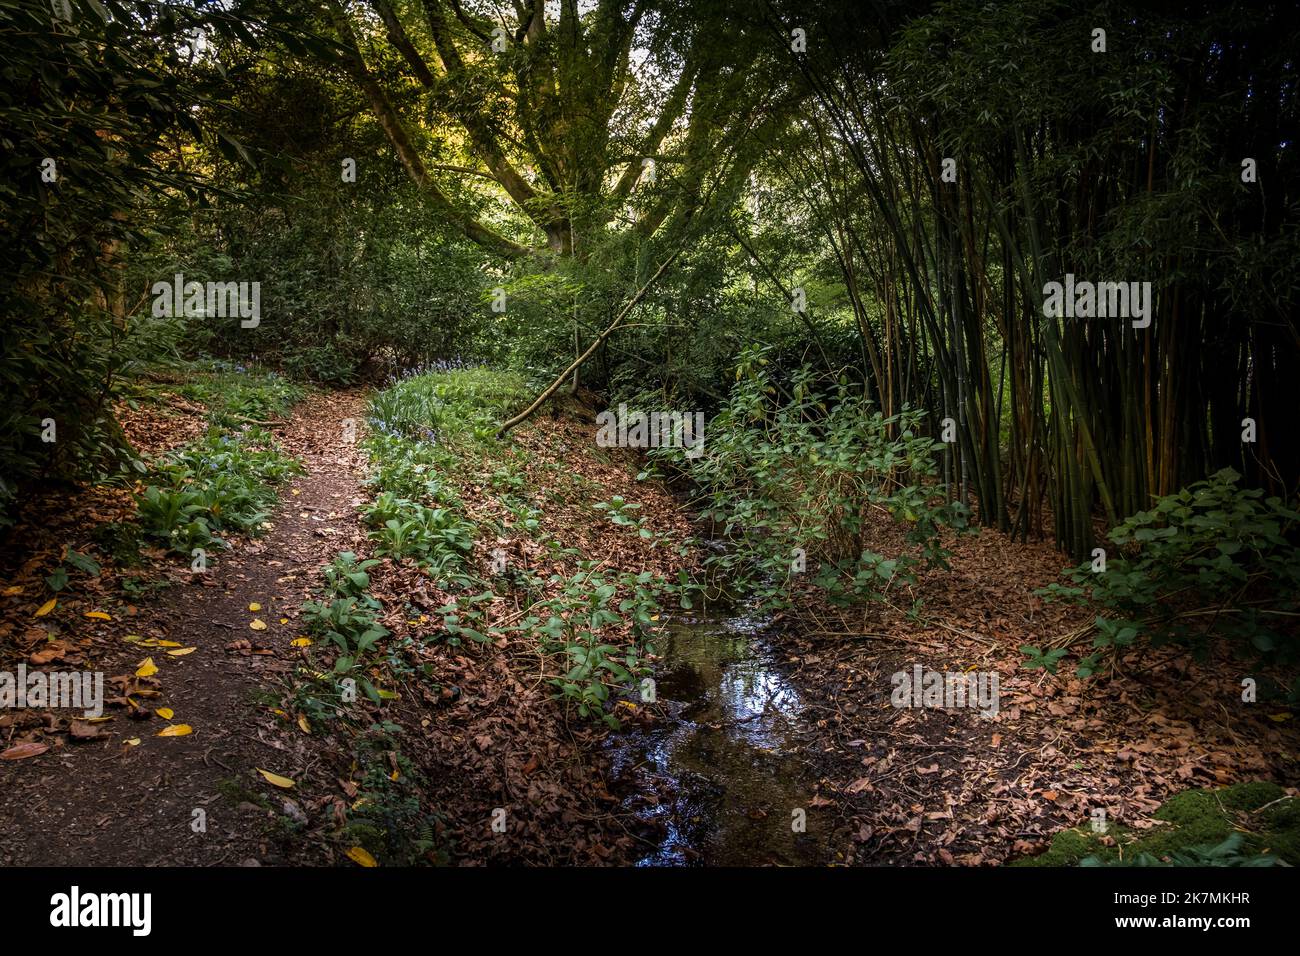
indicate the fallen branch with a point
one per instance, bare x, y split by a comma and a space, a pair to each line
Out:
528, 412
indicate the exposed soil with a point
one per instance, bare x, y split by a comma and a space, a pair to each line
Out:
105, 802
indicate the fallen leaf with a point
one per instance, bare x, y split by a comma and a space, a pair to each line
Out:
147, 668
255, 606
300, 642
166, 713
176, 730
1050, 795
274, 778
133, 742
359, 856
182, 652
257, 624
46, 608
11, 591
303, 724
22, 751
98, 616
84, 730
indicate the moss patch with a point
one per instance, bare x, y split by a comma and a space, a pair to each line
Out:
1194, 818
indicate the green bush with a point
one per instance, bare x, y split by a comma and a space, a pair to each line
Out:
1213, 561
435, 537
782, 471
219, 483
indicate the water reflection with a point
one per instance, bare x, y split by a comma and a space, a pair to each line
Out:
720, 777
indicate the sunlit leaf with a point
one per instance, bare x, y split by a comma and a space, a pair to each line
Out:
359, 856
275, 779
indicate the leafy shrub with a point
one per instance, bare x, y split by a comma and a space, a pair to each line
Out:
460, 405
1213, 560
218, 483
351, 624
801, 472
577, 626
345, 576
435, 537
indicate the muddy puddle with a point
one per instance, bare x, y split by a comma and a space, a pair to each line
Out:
719, 778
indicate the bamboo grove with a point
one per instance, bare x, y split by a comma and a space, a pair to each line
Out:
948, 201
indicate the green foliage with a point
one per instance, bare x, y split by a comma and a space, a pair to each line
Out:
599, 636
799, 469
459, 406
219, 483
85, 105
236, 395
435, 537
351, 624
345, 576
1036, 658
388, 817
1231, 852
1213, 561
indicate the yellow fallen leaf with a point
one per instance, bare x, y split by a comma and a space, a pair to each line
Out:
387, 694
182, 652
274, 778
300, 642
296, 491
168, 643
97, 720
176, 730
11, 591
257, 625
359, 856
147, 668
135, 639
166, 713
303, 725
46, 608
255, 606
279, 713
1278, 718
133, 742
98, 616
284, 620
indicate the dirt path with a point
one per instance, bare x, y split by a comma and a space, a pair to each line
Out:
111, 803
